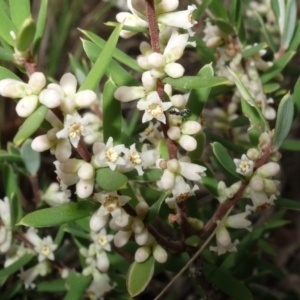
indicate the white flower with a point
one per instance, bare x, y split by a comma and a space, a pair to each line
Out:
74, 128
154, 108
102, 240
6, 235
191, 171
54, 197
65, 179
112, 204
133, 160
239, 221
151, 134
224, 242
99, 287
244, 165
108, 155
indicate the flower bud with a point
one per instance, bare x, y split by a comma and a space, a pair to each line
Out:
149, 83
178, 101
275, 156
239, 221
270, 169
174, 70
102, 261
37, 82
71, 166
214, 42
142, 254
86, 171
160, 254
190, 127
98, 222
270, 186
84, 188
264, 139
14, 89
156, 60
167, 180
143, 62
85, 98
195, 223
173, 133
142, 237
41, 143
63, 150
121, 238
187, 142
256, 183
27, 105
50, 98
173, 165
142, 208
126, 93
254, 154
68, 83
167, 6
137, 226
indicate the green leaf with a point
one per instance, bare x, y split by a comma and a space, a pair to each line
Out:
148, 176
239, 122
296, 98
58, 215
110, 180
17, 265
31, 124
277, 67
19, 11
25, 35
266, 247
247, 97
6, 26
290, 23
6, 55
40, 25
287, 203
12, 158
226, 283
289, 145
117, 54
112, 114
218, 9
5, 73
139, 276
271, 87
224, 158
31, 158
198, 97
200, 9
194, 82
252, 50
76, 285
192, 241
224, 26
162, 149
118, 74
155, 208
294, 44
265, 32
284, 120
14, 289
52, 286
94, 76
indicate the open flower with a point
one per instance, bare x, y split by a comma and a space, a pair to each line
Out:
244, 165
102, 240
154, 108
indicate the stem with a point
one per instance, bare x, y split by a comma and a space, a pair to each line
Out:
30, 66
82, 151
35, 189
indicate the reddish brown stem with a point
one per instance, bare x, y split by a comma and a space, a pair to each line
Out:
30, 67
82, 151
153, 28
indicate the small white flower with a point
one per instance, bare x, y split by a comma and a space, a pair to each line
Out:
133, 160
45, 249
54, 197
191, 171
108, 155
244, 165
154, 108
74, 128
99, 287
239, 221
102, 240
151, 134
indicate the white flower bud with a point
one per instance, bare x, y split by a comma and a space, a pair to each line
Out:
41, 143
63, 150
156, 60
157, 73
239, 221
174, 54
167, 180
187, 142
256, 183
71, 166
37, 82
174, 70
85, 98
265, 139
67, 105
214, 42
142, 208
68, 83
102, 261
142, 237
149, 83
190, 127
13, 88
50, 98
174, 133
167, 5
275, 156
126, 93
98, 222
27, 105
145, 48
173, 165
84, 188
178, 101
56, 87
143, 62
270, 169
270, 186
160, 254
86, 171
121, 238
254, 154
142, 254
137, 225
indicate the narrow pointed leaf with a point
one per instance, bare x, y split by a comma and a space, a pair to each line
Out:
40, 25
76, 284
19, 11
110, 180
284, 120
31, 158
248, 52
286, 203
290, 23
5, 73
6, 26
296, 98
224, 158
94, 76
139, 276
290, 145
218, 9
6, 55
30, 125
17, 265
154, 208
65, 213
294, 44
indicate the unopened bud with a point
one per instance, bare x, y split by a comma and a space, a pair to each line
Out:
50, 98
142, 208
142, 254
275, 156
37, 82
190, 127
142, 237
270, 187
156, 60
195, 223
214, 42
174, 133
98, 222
68, 83
178, 101
270, 169
254, 154
86, 171
173, 165
174, 70
84, 188
121, 238
41, 143
160, 254
137, 225
187, 142
257, 184
167, 180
